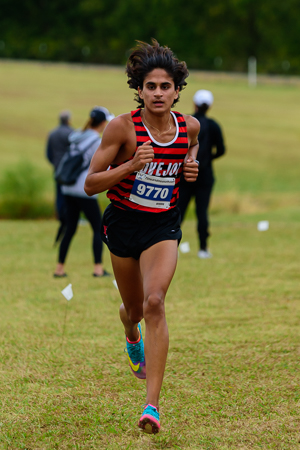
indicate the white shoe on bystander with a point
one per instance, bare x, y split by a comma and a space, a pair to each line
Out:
204, 254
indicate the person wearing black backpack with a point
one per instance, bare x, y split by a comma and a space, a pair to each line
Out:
211, 146
85, 142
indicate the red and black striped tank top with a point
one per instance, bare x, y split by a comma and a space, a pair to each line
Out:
167, 162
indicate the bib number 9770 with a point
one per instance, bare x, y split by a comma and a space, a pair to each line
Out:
151, 191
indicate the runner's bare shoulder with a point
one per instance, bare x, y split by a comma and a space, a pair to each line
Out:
119, 138
118, 130
193, 125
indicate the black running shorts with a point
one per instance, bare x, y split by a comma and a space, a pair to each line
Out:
129, 233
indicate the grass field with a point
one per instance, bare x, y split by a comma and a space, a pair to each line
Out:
232, 376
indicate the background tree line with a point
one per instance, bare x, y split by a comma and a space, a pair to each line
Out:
214, 35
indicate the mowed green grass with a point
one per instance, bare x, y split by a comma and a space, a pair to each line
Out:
232, 375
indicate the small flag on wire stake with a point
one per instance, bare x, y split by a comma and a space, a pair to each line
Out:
67, 292
184, 247
263, 225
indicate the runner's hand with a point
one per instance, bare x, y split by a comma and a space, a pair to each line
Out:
143, 155
190, 169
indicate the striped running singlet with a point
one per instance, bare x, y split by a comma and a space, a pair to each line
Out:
156, 187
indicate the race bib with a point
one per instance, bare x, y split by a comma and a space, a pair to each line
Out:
151, 191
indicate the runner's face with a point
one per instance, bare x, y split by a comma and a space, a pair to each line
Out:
158, 91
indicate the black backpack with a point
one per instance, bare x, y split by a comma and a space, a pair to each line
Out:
71, 165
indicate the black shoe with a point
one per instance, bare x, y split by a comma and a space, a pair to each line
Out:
56, 275
105, 274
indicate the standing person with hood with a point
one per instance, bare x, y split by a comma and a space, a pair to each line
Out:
57, 146
86, 140
211, 146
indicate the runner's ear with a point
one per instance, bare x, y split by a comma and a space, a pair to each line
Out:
140, 91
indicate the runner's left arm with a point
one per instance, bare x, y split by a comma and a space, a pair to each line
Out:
190, 164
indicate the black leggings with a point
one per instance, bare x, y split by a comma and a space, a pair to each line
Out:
90, 207
202, 195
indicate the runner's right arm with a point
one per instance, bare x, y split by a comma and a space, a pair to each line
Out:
116, 140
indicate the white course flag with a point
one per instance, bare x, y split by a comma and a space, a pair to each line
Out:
263, 225
67, 292
184, 247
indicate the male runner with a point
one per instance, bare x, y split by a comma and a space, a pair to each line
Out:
146, 151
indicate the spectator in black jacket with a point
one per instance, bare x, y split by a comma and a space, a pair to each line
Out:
211, 146
57, 146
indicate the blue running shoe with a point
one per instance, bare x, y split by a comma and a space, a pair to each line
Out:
136, 356
149, 421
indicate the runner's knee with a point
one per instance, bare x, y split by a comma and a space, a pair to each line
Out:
135, 315
154, 304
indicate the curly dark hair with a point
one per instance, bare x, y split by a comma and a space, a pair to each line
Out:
145, 58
